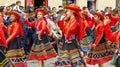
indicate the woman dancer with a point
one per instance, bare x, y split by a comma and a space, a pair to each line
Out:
4, 61
15, 51
70, 55
100, 52
41, 49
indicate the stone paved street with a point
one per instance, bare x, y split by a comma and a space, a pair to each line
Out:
50, 63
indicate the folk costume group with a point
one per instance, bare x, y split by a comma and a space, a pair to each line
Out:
76, 31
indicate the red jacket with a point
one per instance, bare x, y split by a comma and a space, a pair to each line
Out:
71, 28
39, 26
14, 30
98, 32
109, 34
113, 20
2, 38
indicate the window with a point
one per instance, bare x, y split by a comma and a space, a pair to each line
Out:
91, 4
66, 2
117, 3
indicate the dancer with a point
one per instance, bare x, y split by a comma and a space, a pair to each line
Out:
41, 49
70, 55
114, 37
100, 52
15, 51
4, 61
86, 42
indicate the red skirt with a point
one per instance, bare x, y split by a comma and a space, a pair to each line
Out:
42, 49
100, 54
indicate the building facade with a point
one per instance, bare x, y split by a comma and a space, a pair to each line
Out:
94, 4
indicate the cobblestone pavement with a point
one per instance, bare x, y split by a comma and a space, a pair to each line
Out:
50, 63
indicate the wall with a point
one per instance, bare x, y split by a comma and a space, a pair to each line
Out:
101, 4
9, 2
81, 3
54, 3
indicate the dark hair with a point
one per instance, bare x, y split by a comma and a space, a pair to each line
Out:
1, 8
60, 6
27, 11
54, 18
12, 5
49, 11
32, 13
106, 8
22, 7
61, 10
53, 8
18, 2
49, 8
84, 8
76, 16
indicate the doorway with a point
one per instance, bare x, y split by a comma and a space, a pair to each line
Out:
67, 2
38, 3
91, 4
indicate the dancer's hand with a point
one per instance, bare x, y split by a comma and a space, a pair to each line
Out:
107, 20
67, 41
25, 16
93, 46
62, 17
39, 37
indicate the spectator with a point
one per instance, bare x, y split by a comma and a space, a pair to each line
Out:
11, 6
54, 10
107, 10
31, 9
22, 8
5, 17
17, 6
60, 13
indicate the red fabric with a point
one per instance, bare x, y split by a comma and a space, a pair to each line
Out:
99, 29
61, 26
30, 2
40, 10
54, 54
31, 24
4, 28
90, 23
21, 28
103, 60
42, 57
20, 64
99, 14
2, 38
14, 30
43, 28
113, 20
73, 7
1, 19
70, 66
46, 26
33, 57
77, 10
109, 34
15, 13
1, 22
72, 29
41, 25
81, 31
